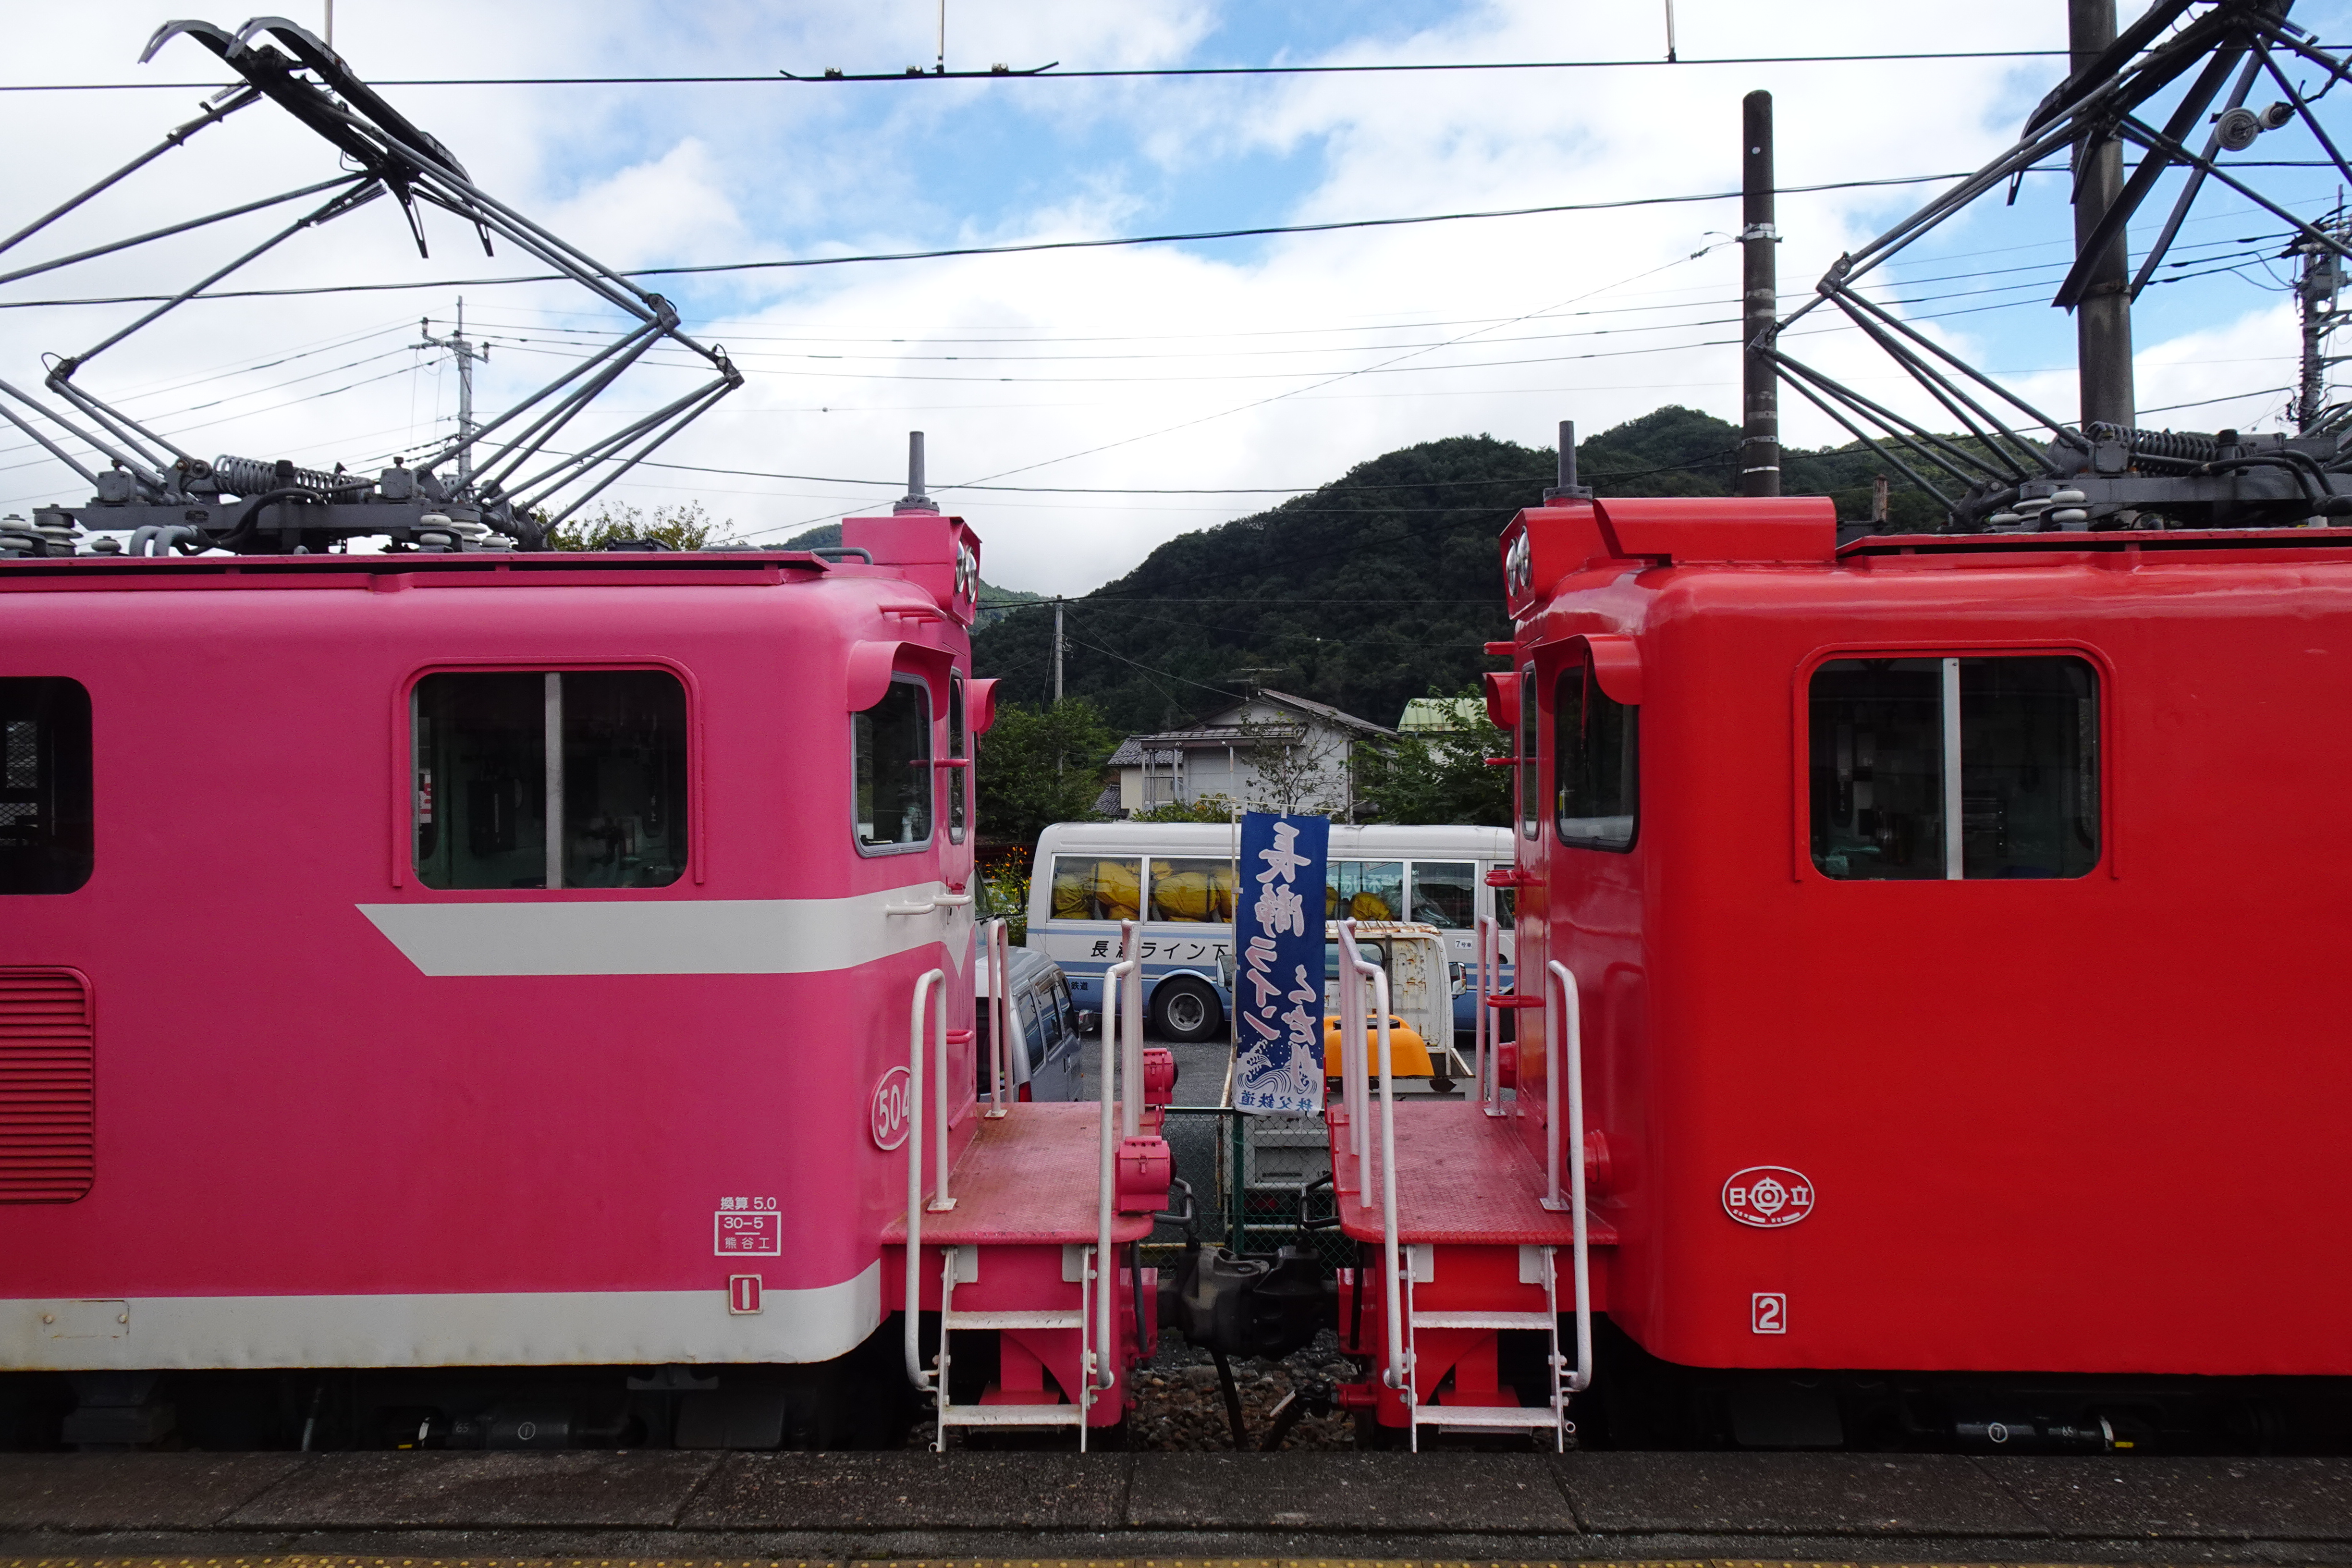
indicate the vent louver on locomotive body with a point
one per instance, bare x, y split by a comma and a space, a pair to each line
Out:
48, 1101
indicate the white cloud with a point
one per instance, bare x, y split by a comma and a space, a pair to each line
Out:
1191, 368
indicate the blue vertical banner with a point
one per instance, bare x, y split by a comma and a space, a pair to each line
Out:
1278, 964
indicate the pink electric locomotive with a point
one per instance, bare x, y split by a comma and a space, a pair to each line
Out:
497, 998
1958, 1026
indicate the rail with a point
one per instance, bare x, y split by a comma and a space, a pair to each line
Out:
1354, 969
1120, 980
1566, 1025
932, 988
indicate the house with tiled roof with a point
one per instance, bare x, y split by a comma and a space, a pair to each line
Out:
1272, 752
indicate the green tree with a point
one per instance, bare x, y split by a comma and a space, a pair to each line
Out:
1041, 765
684, 527
1207, 808
1442, 777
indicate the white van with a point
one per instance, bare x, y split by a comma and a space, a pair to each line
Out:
1178, 879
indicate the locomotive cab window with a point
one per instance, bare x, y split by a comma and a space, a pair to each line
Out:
892, 747
958, 779
496, 806
45, 796
1983, 768
1596, 777
1530, 788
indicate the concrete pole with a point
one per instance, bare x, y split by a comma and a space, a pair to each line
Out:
2102, 340
466, 351
1759, 448
1057, 650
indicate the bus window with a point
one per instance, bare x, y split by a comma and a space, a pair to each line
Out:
1087, 889
1506, 901
1365, 890
892, 742
1885, 752
1445, 893
1193, 890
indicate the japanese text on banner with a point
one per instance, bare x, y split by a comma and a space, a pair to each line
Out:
1278, 969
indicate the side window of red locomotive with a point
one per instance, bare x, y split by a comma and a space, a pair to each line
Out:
959, 748
1530, 785
891, 744
47, 806
496, 806
1596, 764
1944, 769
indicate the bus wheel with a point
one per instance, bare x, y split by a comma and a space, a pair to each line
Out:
1184, 1010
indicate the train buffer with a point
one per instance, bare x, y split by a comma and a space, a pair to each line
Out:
1485, 1236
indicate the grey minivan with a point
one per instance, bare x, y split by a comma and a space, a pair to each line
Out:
1046, 1027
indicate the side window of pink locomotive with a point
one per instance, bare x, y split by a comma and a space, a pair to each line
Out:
958, 780
1982, 768
47, 805
891, 747
496, 806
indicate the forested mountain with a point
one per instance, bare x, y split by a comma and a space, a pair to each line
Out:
1378, 587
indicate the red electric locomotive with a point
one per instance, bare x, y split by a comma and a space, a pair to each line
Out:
1959, 1048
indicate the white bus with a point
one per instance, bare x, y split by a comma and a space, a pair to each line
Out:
1176, 879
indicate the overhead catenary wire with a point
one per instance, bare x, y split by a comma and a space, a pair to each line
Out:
1051, 73
1018, 248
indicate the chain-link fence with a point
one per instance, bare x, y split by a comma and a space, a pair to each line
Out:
1250, 1177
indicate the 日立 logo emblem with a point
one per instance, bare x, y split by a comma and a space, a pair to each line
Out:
1767, 1196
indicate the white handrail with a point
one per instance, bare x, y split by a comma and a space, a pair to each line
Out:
1130, 1036
1354, 1065
1567, 1026
931, 901
1128, 971
933, 984
1483, 1069
1000, 1015
1350, 959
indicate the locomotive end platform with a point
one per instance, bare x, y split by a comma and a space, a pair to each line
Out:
360, 1509
1464, 1177
1026, 1177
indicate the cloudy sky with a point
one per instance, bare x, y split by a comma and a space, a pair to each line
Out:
1247, 366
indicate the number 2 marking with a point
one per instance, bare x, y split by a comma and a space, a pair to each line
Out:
1767, 1312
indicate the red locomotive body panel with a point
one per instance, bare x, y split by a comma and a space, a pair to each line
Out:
346, 1119
1935, 1120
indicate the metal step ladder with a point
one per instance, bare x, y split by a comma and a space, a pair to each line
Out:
1064, 1415
1492, 1417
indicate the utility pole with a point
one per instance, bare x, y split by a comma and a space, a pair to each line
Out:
1058, 648
1759, 448
2102, 340
2316, 286
467, 351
